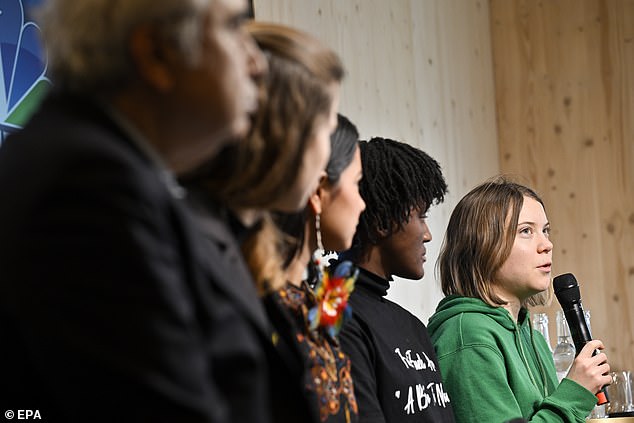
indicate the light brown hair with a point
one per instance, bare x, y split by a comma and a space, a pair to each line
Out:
479, 239
254, 173
296, 92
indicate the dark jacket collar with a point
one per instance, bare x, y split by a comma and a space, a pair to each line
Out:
234, 278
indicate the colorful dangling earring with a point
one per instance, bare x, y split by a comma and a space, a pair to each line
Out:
319, 253
331, 291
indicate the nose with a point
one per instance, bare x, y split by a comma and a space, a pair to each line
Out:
256, 62
546, 245
426, 232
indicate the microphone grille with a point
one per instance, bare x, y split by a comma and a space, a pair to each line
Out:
566, 289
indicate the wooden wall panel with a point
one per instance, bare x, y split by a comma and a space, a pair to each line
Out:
564, 77
419, 71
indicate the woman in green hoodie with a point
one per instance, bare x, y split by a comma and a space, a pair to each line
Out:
494, 263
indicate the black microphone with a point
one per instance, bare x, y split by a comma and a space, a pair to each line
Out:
568, 295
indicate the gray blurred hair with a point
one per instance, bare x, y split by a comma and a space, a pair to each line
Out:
87, 40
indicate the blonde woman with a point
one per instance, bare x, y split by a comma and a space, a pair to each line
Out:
495, 263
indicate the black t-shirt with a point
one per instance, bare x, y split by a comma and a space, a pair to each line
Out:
394, 367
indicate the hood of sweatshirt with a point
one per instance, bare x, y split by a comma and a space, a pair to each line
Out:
521, 333
461, 323
456, 304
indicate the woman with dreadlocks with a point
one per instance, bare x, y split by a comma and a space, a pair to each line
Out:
394, 366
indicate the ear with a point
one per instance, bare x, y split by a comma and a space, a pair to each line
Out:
382, 232
316, 200
152, 57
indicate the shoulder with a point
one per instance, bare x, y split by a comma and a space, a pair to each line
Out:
72, 143
372, 308
466, 330
72, 130
468, 321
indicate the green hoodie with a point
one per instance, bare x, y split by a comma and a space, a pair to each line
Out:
495, 369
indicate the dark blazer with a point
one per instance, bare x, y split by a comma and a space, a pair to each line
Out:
286, 363
113, 306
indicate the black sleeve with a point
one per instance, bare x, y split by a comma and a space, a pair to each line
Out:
95, 294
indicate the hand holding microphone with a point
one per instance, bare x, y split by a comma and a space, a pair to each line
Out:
590, 368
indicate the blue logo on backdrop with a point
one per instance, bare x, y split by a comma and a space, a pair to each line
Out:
23, 80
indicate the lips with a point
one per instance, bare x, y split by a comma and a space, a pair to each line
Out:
545, 267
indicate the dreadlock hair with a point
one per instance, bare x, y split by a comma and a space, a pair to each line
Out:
397, 178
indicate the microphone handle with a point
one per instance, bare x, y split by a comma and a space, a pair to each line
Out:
581, 336
578, 326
